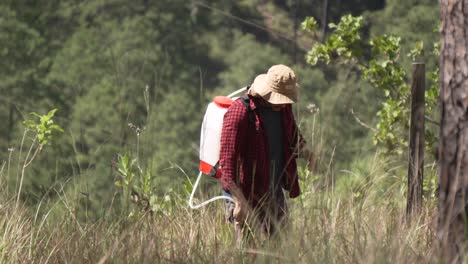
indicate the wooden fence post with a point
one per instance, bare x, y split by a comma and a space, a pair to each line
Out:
416, 142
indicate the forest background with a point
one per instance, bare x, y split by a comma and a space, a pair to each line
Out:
134, 78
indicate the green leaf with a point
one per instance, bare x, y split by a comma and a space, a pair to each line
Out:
35, 114
56, 128
417, 52
51, 113
29, 123
309, 24
436, 49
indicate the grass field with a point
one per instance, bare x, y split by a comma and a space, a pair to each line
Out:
358, 219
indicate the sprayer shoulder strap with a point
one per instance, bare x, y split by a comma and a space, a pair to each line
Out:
246, 102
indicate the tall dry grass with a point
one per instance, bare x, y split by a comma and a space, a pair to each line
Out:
324, 227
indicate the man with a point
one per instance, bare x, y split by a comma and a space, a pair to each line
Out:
259, 146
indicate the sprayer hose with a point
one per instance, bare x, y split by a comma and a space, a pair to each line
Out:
193, 206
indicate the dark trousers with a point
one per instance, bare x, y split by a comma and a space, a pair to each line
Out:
267, 218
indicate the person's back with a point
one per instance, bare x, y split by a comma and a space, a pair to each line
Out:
258, 149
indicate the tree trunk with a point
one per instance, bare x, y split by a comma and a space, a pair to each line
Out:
453, 161
416, 140
324, 19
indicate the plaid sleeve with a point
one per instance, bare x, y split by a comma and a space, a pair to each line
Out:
233, 133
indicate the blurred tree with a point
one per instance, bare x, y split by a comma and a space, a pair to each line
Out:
347, 100
30, 34
248, 58
19, 71
120, 49
413, 21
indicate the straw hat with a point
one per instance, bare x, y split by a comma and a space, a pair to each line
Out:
277, 86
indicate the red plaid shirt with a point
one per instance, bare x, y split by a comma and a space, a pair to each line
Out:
244, 153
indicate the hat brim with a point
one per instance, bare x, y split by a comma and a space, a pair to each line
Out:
277, 98
261, 87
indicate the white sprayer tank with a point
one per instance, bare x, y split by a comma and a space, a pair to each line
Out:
211, 134
210, 141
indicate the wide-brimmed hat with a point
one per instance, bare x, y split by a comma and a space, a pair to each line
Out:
277, 86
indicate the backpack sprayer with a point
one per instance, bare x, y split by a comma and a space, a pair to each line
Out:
210, 143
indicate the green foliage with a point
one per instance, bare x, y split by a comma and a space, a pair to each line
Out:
430, 184
343, 42
417, 52
386, 74
307, 181
383, 70
127, 170
309, 24
139, 187
387, 46
44, 127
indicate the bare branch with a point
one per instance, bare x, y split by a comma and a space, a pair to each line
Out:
362, 123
